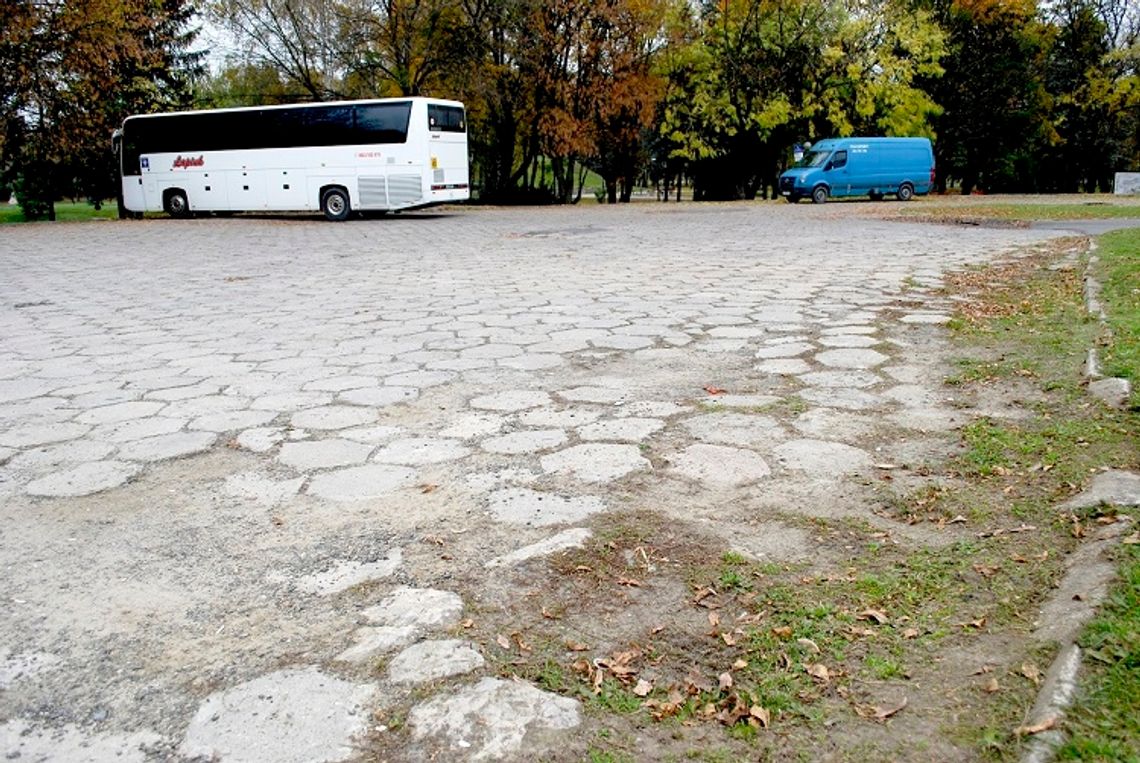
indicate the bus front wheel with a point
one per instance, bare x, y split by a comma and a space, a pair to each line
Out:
335, 204
176, 204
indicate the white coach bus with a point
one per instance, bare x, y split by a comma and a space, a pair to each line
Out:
386, 154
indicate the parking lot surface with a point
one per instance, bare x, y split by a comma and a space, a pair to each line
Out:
228, 447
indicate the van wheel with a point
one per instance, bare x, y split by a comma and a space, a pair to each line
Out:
793, 198
176, 204
819, 194
876, 196
906, 192
335, 205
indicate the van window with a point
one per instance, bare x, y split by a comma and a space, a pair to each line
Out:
813, 159
838, 159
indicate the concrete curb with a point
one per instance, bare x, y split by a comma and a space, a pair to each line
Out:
1060, 684
1115, 392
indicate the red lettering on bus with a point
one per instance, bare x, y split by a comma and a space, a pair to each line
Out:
186, 162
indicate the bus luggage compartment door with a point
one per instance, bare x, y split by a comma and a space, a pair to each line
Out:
245, 190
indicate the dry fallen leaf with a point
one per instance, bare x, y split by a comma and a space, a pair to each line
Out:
1032, 672
714, 620
991, 685
739, 665
809, 645
467, 624
882, 713
577, 646
782, 632
428, 488
725, 681
643, 688
910, 633
986, 570
550, 615
820, 671
878, 616
762, 715
1131, 540
728, 639
629, 582
712, 390
1036, 728
503, 641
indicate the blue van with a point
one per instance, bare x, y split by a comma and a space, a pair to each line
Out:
861, 167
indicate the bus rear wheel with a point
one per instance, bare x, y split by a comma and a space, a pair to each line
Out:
335, 204
176, 204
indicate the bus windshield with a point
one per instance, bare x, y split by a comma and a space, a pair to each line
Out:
813, 159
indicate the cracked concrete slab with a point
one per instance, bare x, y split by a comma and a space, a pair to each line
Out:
85, 479
431, 660
531, 507
360, 483
720, 465
596, 462
293, 716
492, 719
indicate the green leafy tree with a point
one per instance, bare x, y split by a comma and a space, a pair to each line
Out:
75, 70
747, 78
251, 84
995, 120
1077, 79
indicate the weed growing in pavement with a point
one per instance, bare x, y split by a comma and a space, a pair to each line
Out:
608, 756
973, 371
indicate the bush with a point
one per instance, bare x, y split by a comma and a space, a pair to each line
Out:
34, 194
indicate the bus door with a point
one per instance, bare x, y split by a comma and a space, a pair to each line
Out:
447, 145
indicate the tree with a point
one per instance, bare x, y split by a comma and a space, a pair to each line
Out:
250, 84
74, 70
995, 121
625, 36
500, 106
303, 40
1083, 155
404, 47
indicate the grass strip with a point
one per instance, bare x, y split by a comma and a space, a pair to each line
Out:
65, 211
1023, 212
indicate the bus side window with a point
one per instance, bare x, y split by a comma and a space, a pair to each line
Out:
445, 118
383, 123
